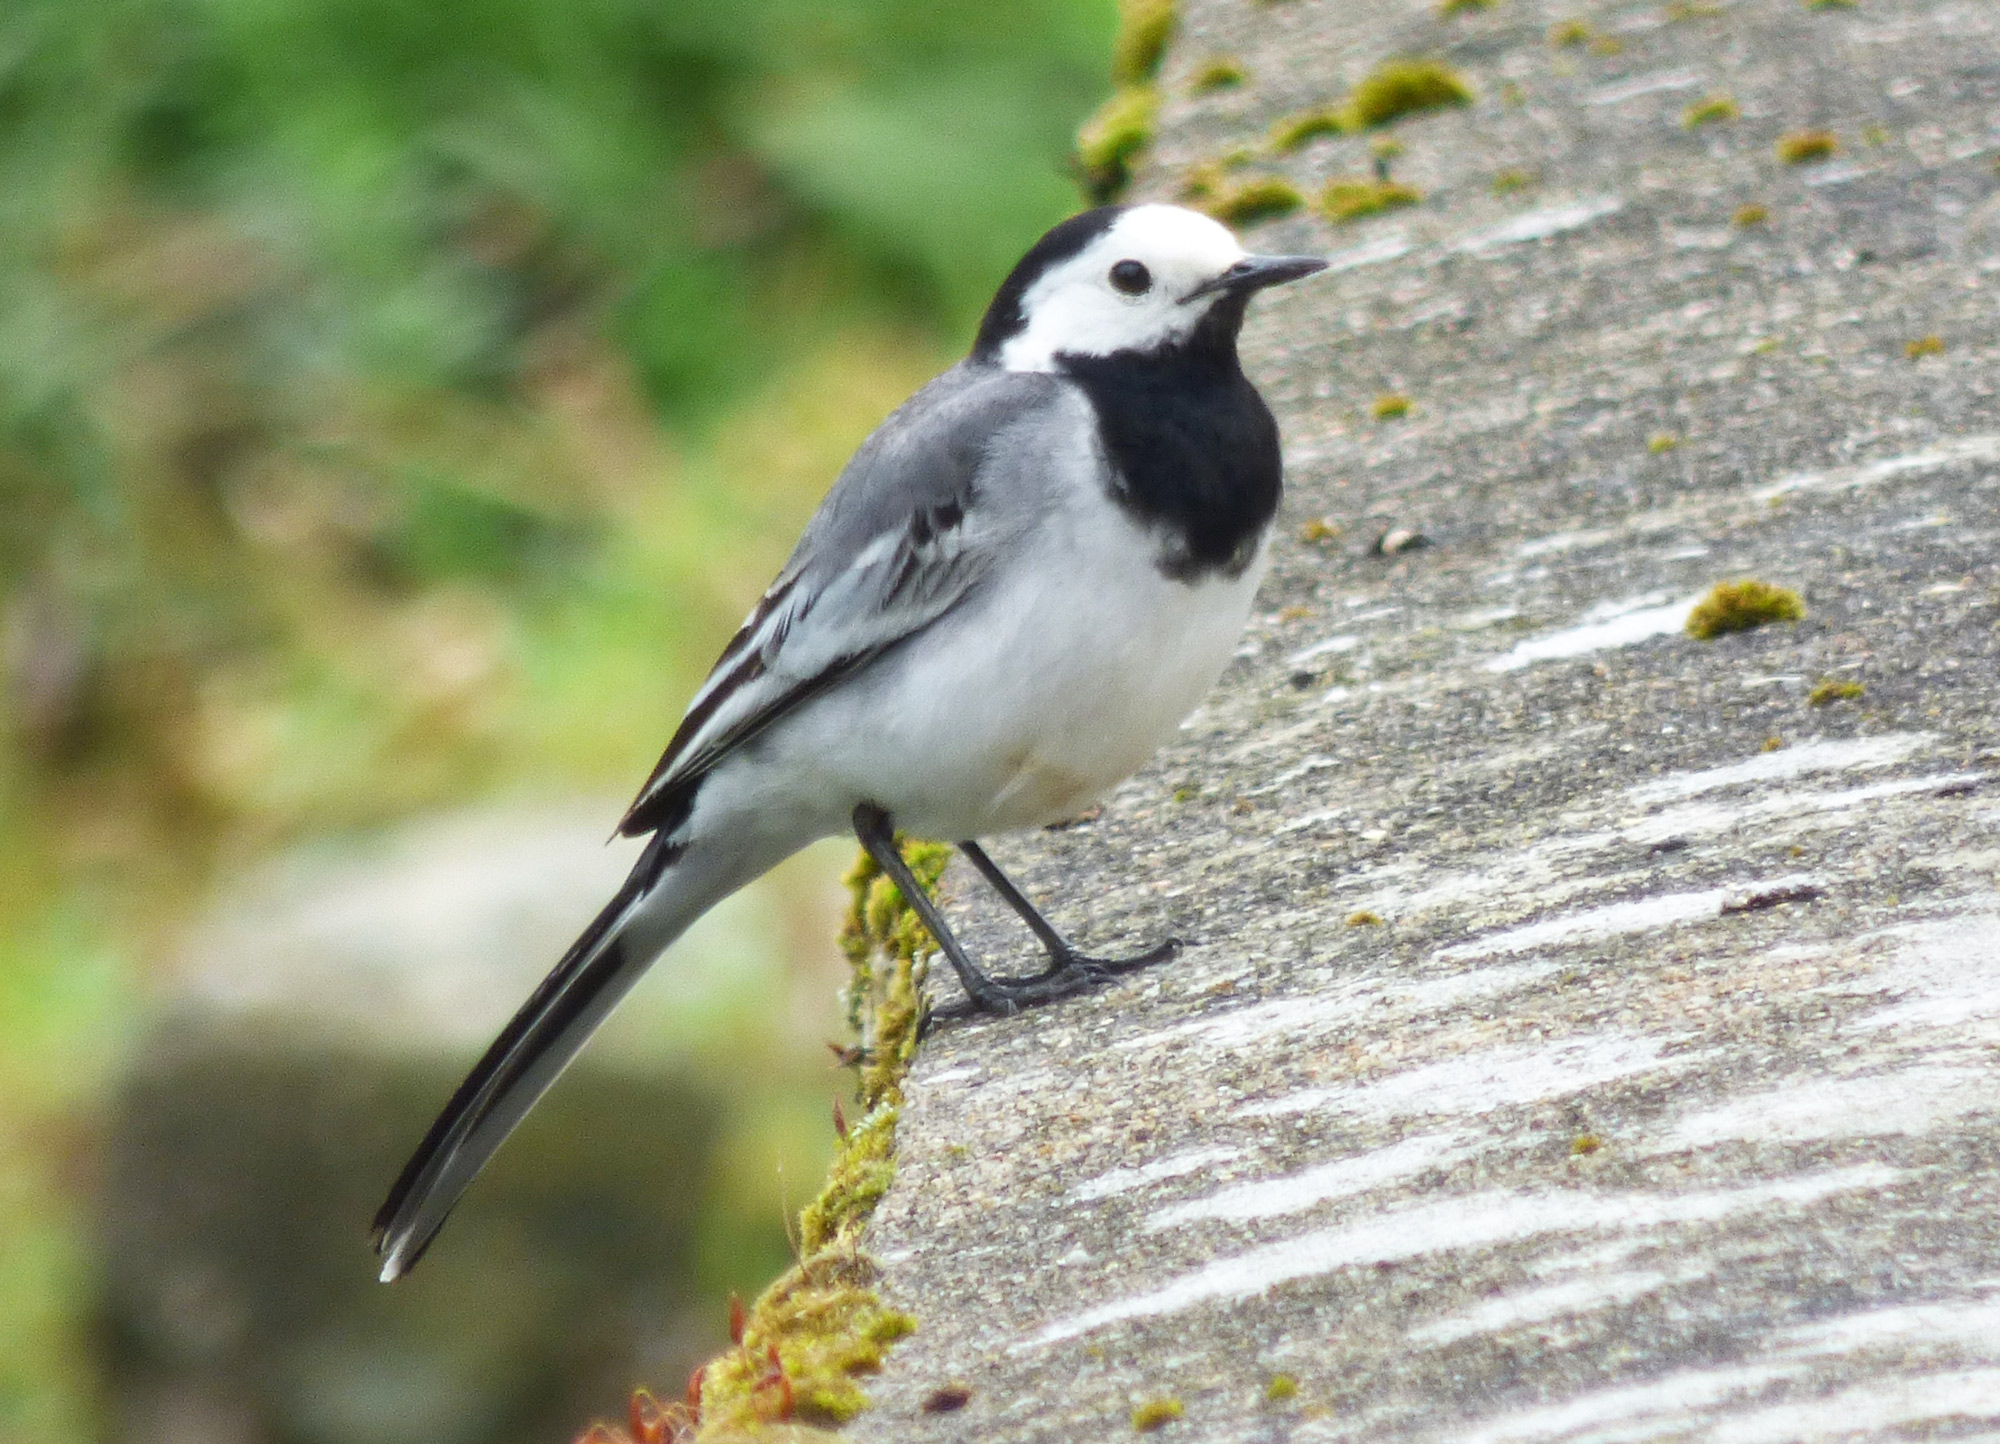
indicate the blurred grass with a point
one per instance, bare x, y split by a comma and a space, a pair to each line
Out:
398, 405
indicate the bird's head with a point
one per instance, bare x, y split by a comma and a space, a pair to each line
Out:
1126, 278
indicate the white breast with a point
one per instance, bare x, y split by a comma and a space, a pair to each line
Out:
1043, 692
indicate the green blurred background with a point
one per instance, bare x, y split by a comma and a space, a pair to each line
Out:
399, 405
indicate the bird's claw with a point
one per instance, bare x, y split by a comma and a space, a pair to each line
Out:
1066, 975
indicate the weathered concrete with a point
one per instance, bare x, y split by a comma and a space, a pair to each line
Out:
1662, 1103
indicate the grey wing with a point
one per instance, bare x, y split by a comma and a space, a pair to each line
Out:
903, 537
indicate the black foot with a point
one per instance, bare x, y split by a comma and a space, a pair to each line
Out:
1066, 975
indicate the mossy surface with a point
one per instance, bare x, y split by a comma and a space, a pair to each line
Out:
1566, 33
1710, 110
1394, 89
1390, 406
1156, 1414
1144, 28
1835, 689
1512, 179
1224, 72
1352, 198
1750, 215
1293, 131
1110, 143
1397, 88
1246, 201
1741, 606
791, 1374
1924, 346
1803, 147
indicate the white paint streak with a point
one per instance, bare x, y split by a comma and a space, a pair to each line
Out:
1610, 921
1322, 649
1700, 819
1948, 972
1910, 1101
1657, 1407
1124, 1180
950, 1075
1473, 1084
1539, 1305
1563, 541
1340, 1004
1961, 1395
1976, 448
1608, 628
1538, 225
1296, 1192
1644, 85
1969, 1324
1853, 755
1478, 1221
1391, 247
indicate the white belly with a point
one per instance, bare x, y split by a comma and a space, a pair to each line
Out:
1037, 696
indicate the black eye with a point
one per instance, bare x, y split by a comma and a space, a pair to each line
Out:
1132, 278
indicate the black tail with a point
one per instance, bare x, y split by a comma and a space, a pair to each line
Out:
527, 1057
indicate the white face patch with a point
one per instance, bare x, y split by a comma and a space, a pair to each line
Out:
1078, 308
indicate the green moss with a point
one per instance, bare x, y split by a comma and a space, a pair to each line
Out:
1253, 199
1364, 919
1512, 179
1352, 198
1156, 1414
1293, 131
1144, 28
792, 1371
1924, 346
1710, 110
1462, 7
1397, 88
1740, 606
1394, 89
1832, 690
1584, 1144
1112, 140
1662, 441
1568, 33
1224, 72
1830, 4
1281, 1388
1802, 147
1750, 215
1390, 406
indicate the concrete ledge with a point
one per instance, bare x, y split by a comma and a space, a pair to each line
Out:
1588, 1036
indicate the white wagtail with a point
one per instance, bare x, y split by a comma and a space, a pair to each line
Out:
1015, 591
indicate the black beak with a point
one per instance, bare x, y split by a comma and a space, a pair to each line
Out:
1254, 273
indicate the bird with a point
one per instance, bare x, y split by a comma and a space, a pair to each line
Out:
1012, 595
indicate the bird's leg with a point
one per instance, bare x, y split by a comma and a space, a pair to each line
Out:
878, 836
1068, 970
